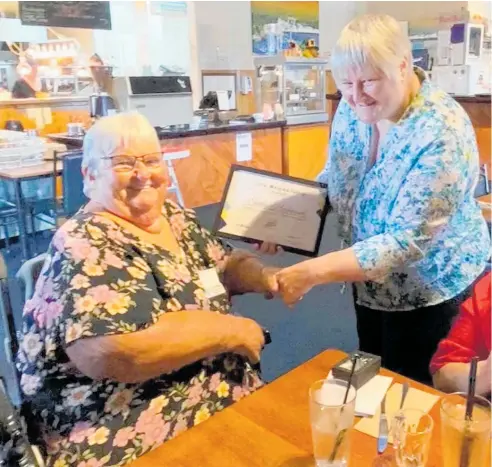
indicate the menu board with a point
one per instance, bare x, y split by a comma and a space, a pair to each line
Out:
88, 15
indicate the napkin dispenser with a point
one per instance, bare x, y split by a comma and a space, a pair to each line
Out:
367, 367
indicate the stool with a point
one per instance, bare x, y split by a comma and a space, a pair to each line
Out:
169, 155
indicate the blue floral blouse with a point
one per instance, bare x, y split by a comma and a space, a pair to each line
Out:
411, 218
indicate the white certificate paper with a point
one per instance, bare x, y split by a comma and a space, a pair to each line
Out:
266, 207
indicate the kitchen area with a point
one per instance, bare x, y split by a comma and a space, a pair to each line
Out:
275, 115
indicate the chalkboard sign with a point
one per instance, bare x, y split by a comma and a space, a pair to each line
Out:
87, 15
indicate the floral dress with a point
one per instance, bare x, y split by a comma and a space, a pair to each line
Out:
412, 218
99, 280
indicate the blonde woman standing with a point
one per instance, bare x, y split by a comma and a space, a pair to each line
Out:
401, 173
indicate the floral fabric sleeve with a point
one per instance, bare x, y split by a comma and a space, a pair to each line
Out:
107, 289
429, 196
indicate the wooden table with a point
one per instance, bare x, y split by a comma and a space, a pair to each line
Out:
271, 428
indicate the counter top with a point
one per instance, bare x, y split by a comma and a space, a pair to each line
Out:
479, 99
211, 129
336, 96
43, 101
180, 132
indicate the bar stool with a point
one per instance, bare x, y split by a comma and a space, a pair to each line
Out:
169, 155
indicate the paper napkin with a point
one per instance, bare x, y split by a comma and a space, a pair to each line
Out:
370, 395
416, 399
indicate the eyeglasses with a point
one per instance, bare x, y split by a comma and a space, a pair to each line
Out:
125, 163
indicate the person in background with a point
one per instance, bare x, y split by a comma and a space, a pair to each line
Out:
401, 173
129, 338
101, 74
28, 83
469, 337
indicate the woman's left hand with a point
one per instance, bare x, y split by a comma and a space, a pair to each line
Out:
295, 281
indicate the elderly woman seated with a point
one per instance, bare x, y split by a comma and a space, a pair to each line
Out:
129, 339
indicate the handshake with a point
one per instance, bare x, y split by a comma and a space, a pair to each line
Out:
291, 283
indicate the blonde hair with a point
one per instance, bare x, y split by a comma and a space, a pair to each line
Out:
374, 40
110, 134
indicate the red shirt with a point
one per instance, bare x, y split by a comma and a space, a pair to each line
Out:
470, 333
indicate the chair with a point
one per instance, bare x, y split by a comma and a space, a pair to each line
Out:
13, 411
169, 155
15, 447
73, 184
9, 336
72, 198
27, 275
483, 185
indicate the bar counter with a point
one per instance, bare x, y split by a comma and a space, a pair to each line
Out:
202, 157
45, 114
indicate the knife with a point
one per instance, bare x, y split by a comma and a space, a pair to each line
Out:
383, 428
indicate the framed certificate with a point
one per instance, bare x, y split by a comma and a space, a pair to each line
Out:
259, 206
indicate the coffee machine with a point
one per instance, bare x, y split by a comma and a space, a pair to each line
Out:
164, 100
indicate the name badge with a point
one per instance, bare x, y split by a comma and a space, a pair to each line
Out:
211, 283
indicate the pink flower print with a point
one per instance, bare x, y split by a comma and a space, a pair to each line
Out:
119, 402
112, 260
178, 224
69, 226
51, 313
59, 240
145, 418
39, 311
215, 252
152, 427
80, 248
237, 393
155, 433
180, 426
80, 432
191, 307
46, 288
92, 463
195, 394
123, 436
214, 382
30, 306
116, 235
182, 274
102, 293
93, 255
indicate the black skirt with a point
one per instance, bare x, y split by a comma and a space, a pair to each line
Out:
407, 340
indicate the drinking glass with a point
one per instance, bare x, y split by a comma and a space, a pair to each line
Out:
412, 433
465, 443
331, 421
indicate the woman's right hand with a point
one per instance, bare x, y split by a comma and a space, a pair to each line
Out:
247, 338
267, 248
